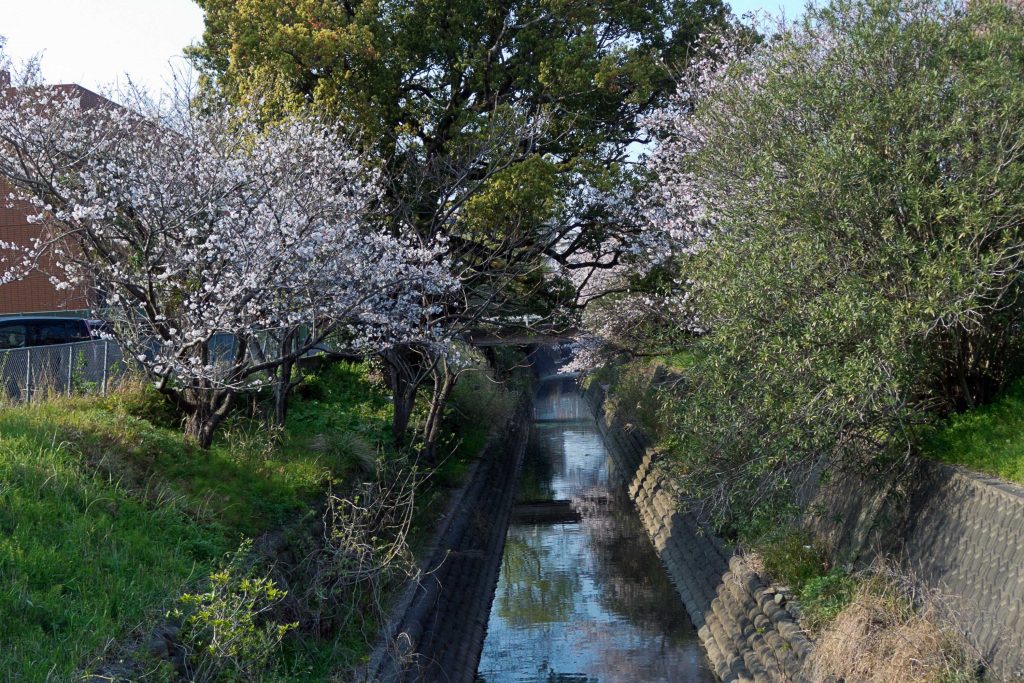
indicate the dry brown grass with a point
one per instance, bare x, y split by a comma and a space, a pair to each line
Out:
893, 631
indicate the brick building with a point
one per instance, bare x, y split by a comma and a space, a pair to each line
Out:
35, 293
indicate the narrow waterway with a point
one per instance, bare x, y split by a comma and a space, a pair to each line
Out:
582, 596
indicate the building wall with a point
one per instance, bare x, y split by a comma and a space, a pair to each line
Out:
33, 293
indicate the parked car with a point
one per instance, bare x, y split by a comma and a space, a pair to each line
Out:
21, 331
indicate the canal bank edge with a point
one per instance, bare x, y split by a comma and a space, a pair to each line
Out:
747, 636
437, 627
958, 532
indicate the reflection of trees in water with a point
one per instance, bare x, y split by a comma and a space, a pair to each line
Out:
633, 582
569, 678
532, 591
645, 656
559, 400
537, 472
596, 592
552, 677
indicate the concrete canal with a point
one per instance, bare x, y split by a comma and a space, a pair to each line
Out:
581, 595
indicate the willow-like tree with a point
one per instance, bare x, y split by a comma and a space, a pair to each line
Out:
507, 127
846, 202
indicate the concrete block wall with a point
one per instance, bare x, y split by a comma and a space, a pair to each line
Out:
437, 628
958, 532
747, 636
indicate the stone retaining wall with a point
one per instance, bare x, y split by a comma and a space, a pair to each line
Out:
437, 628
747, 635
958, 532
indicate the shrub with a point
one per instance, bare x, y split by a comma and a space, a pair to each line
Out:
228, 632
789, 557
822, 598
852, 212
478, 398
364, 549
634, 397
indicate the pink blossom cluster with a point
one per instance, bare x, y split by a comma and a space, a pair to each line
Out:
192, 224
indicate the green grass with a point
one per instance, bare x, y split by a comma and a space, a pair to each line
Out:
790, 556
987, 439
108, 514
823, 597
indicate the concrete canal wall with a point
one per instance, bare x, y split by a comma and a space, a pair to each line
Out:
958, 532
747, 636
437, 628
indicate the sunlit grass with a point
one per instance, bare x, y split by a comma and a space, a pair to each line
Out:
987, 439
108, 515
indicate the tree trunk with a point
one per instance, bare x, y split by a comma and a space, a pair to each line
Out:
282, 391
207, 409
199, 425
444, 382
283, 384
491, 356
403, 380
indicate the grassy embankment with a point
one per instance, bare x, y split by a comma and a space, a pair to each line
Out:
988, 439
108, 515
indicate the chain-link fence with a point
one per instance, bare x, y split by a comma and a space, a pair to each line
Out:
27, 373
79, 368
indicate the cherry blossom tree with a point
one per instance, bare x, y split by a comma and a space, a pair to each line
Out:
196, 227
637, 296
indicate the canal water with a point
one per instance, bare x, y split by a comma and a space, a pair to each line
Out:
582, 596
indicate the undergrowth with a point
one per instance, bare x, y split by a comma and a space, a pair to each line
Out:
989, 438
108, 513
890, 629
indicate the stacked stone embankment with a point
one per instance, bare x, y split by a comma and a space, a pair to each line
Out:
958, 532
437, 628
748, 636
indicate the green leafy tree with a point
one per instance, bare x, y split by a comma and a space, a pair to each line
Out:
851, 194
506, 128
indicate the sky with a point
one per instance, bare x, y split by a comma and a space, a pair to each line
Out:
790, 8
97, 42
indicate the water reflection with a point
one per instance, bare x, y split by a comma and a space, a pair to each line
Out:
531, 593
585, 601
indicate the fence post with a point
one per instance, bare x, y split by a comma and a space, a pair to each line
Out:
71, 365
103, 383
28, 374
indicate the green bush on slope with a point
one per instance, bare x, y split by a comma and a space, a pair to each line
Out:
866, 278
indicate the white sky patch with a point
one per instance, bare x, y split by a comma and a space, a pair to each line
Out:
95, 43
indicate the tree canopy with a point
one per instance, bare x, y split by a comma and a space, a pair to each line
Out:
507, 127
846, 204
195, 225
